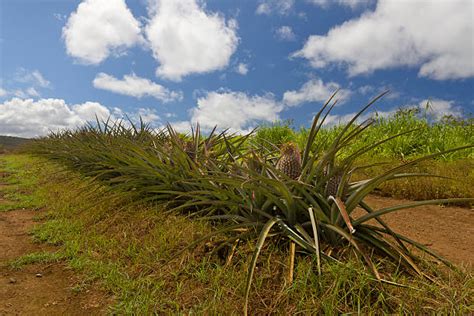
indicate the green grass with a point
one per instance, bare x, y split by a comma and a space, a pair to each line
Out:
430, 136
458, 181
135, 252
19, 183
36, 257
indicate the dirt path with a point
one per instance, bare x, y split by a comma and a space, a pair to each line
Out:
38, 289
447, 230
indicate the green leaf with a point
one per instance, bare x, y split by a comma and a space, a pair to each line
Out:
261, 240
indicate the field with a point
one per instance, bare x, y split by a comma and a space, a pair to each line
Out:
276, 222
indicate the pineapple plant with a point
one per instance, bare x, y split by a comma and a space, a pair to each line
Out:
290, 160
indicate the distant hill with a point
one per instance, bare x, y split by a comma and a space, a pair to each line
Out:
9, 143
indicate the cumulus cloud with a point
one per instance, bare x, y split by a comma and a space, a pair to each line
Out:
242, 69
268, 7
100, 28
135, 86
314, 90
285, 33
30, 118
440, 43
235, 110
187, 39
3, 92
241, 112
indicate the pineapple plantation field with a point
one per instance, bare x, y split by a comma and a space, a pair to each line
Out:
372, 216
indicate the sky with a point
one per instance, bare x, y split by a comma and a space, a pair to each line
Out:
236, 64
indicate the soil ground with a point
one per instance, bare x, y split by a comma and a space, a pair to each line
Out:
46, 289
39, 289
447, 230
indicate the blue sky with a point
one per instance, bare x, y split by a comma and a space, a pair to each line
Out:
235, 64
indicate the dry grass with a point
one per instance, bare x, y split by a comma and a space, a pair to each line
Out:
461, 184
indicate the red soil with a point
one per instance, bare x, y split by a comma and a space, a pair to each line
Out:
39, 289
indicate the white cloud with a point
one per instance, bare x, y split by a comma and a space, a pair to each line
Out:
3, 92
34, 78
437, 37
186, 39
234, 110
60, 17
348, 3
29, 118
336, 119
242, 69
20, 93
100, 28
366, 89
373, 91
181, 126
135, 86
270, 6
31, 91
314, 90
439, 108
31, 83
148, 115
285, 33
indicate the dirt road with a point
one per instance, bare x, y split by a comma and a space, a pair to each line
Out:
447, 230
39, 289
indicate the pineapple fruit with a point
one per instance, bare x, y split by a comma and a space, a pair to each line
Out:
290, 160
333, 182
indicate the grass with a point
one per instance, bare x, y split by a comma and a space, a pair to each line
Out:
135, 252
430, 136
35, 257
457, 181
19, 183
